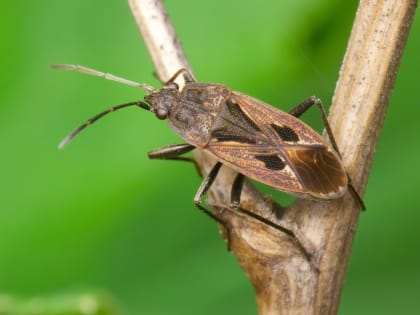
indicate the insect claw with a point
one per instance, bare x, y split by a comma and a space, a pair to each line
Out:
235, 205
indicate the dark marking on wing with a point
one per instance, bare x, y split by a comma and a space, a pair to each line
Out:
285, 133
234, 125
272, 162
224, 135
239, 115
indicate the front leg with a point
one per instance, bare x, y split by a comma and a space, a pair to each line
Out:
188, 78
173, 152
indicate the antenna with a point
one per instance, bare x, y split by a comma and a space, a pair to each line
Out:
107, 76
90, 121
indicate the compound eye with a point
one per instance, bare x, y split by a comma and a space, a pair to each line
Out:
162, 113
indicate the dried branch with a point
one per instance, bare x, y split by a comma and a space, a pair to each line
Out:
160, 37
284, 281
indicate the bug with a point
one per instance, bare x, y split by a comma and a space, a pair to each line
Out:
249, 136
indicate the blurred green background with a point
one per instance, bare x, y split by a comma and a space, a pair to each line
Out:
100, 221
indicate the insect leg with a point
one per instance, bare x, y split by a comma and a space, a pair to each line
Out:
187, 76
203, 189
288, 232
235, 193
303, 107
298, 110
173, 152
235, 206
170, 151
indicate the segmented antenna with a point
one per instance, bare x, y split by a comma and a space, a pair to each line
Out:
107, 76
90, 121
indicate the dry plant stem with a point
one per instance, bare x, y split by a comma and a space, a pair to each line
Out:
284, 281
367, 77
160, 38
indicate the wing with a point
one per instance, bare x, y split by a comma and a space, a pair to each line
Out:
277, 149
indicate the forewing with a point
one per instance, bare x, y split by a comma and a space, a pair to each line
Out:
279, 126
277, 149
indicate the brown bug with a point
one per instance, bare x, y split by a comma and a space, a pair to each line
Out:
249, 136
